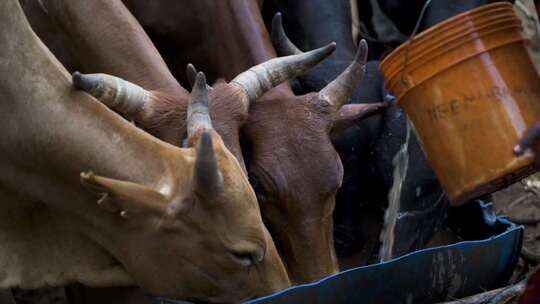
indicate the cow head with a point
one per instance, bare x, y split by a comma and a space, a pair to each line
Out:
201, 236
294, 168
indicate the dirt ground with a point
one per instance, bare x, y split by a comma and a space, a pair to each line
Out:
520, 203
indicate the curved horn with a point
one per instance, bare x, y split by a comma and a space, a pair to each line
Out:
281, 42
198, 116
261, 78
122, 96
207, 178
340, 89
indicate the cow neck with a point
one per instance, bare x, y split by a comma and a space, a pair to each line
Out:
125, 41
53, 133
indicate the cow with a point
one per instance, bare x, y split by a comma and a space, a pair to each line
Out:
89, 198
367, 148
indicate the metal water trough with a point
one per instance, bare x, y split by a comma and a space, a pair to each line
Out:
484, 260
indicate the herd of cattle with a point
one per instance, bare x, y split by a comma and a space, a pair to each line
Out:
247, 184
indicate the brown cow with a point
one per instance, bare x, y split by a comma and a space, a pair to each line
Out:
178, 222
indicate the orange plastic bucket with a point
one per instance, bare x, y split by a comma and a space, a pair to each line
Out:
471, 90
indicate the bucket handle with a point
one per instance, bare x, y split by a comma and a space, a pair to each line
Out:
404, 80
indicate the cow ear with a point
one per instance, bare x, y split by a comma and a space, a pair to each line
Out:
125, 198
351, 113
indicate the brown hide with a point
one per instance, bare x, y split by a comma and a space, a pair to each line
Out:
222, 38
117, 45
152, 226
292, 163
296, 172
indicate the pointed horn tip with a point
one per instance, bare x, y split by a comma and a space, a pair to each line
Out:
324, 51
81, 81
200, 80
191, 74
276, 22
328, 49
190, 69
77, 80
362, 52
76, 75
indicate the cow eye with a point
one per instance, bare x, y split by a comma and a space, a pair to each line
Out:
245, 259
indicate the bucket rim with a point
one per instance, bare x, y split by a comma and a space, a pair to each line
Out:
419, 59
404, 92
434, 29
473, 15
421, 47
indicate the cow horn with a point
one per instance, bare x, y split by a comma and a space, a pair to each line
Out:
340, 89
122, 96
261, 78
208, 180
281, 42
198, 116
191, 74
